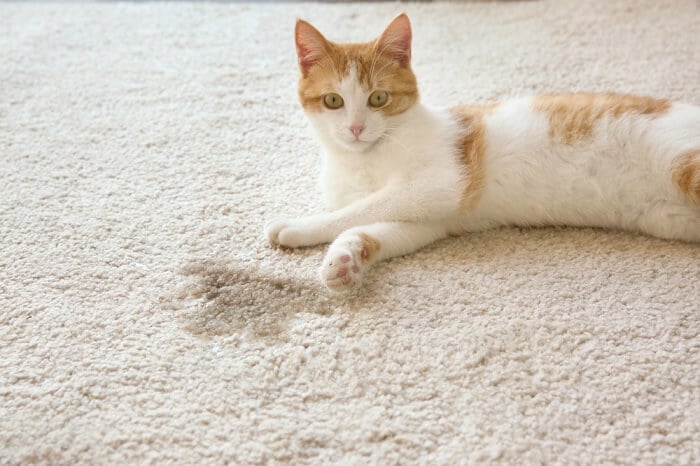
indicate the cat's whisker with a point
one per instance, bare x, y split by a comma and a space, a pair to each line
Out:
329, 61
383, 68
394, 139
375, 57
377, 54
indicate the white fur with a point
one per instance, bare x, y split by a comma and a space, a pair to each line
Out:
403, 184
336, 123
620, 177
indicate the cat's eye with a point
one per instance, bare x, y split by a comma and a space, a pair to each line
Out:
333, 101
378, 99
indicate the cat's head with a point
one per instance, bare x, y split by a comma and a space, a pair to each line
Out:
351, 92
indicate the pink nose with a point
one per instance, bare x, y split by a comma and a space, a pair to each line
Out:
357, 130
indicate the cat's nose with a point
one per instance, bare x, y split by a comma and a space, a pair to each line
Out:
357, 130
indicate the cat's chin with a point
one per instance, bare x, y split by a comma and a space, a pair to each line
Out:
358, 146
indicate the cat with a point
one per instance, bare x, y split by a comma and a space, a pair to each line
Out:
398, 175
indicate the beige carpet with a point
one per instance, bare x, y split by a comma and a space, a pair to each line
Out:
143, 319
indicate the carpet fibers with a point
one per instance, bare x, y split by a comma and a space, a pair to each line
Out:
144, 320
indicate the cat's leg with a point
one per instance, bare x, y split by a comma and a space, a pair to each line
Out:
303, 231
356, 249
390, 204
323, 227
671, 220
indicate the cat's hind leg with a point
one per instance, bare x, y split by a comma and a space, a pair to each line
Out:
686, 175
678, 217
356, 249
670, 220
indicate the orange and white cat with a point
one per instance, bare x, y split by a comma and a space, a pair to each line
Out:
398, 175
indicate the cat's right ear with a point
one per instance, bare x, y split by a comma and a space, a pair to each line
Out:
311, 45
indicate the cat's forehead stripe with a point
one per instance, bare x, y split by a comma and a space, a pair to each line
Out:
349, 83
351, 74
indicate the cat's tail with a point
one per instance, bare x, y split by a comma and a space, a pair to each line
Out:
686, 174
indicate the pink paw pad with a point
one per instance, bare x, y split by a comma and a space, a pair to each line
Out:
341, 271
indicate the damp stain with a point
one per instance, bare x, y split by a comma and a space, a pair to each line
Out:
232, 298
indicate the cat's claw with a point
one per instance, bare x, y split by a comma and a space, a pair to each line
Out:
340, 271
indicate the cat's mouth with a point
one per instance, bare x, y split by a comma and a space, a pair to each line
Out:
359, 145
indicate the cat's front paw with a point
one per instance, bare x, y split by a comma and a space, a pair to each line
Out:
340, 271
273, 228
347, 259
290, 233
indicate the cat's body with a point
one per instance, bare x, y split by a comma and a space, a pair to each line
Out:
398, 175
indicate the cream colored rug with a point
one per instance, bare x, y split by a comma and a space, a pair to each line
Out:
144, 320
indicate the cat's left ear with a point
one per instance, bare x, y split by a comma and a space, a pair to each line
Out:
395, 41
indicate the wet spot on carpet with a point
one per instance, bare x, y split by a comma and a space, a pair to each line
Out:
228, 298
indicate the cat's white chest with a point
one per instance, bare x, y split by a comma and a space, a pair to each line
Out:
349, 180
418, 158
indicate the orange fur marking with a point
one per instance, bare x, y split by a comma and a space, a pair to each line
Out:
473, 147
376, 70
370, 246
686, 174
573, 116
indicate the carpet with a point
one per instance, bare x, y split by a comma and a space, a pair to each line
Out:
144, 319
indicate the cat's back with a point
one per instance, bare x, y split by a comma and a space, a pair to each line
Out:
593, 125
580, 159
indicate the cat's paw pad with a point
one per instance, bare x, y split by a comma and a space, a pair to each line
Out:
340, 271
347, 258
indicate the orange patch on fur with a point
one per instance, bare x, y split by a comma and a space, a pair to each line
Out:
473, 150
686, 174
573, 116
370, 246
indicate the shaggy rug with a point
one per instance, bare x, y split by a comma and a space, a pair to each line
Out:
144, 319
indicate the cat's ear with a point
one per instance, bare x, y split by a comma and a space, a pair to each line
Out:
311, 45
395, 41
